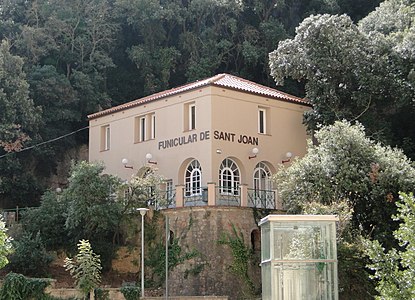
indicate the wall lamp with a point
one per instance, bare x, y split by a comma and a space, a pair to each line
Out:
254, 152
125, 163
149, 157
288, 155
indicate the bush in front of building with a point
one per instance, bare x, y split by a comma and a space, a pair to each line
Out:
130, 291
19, 287
30, 256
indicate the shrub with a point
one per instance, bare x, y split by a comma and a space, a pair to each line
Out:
101, 294
48, 219
30, 256
130, 291
18, 287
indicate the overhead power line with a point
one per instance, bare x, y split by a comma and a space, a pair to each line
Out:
46, 142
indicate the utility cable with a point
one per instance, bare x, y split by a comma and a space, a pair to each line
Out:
46, 142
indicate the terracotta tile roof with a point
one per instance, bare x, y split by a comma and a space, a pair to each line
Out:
220, 80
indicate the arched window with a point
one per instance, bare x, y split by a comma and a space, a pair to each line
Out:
262, 177
229, 177
193, 179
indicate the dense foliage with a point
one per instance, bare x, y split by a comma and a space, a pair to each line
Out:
30, 257
347, 174
94, 206
52, 211
130, 291
67, 59
19, 287
394, 269
354, 71
345, 165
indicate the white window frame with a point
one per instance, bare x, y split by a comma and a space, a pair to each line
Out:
106, 138
153, 126
229, 177
262, 177
192, 116
262, 120
169, 189
193, 179
142, 129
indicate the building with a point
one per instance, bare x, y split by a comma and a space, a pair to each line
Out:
217, 142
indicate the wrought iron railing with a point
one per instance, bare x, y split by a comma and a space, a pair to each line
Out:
228, 196
197, 199
261, 198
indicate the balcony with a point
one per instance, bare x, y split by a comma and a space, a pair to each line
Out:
214, 195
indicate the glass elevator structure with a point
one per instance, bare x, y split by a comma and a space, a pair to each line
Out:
299, 257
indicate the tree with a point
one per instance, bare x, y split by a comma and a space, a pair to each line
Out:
30, 257
53, 92
19, 121
348, 74
86, 269
393, 270
48, 220
345, 165
19, 117
347, 174
93, 209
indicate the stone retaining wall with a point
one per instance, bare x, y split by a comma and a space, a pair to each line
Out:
188, 298
115, 294
199, 229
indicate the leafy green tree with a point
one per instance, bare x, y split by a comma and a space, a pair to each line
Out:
393, 269
93, 209
18, 115
19, 120
350, 175
348, 74
53, 92
86, 268
30, 256
345, 165
49, 221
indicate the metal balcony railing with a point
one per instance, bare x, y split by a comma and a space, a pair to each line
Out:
228, 196
196, 199
261, 198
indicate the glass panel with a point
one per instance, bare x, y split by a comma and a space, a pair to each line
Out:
266, 281
303, 241
265, 242
297, 281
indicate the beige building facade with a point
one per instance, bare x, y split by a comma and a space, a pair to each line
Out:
216, 141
